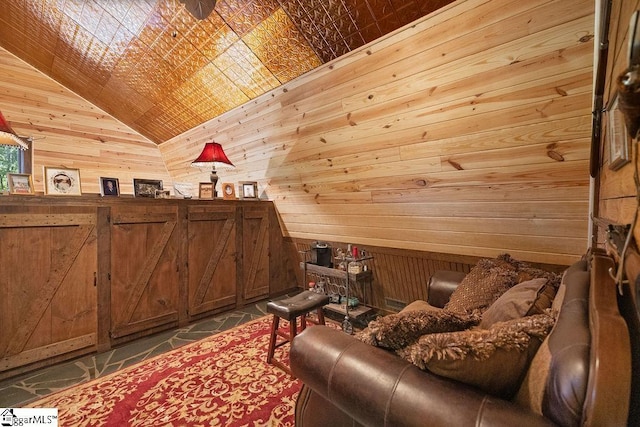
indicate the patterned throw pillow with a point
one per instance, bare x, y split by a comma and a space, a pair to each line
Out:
524, 299
527, 272
484, 284
494, 360
395, 331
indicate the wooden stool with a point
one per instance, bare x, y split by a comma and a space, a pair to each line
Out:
290, 309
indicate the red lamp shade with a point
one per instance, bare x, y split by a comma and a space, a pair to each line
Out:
9, 137
212, 155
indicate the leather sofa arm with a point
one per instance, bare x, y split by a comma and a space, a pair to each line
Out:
376, 387
441, 285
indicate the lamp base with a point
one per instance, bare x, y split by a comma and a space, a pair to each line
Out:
214, 180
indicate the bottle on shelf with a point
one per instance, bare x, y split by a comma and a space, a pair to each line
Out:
355, 265
341, 263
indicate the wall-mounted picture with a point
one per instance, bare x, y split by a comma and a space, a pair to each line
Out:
109, 186
617, 137
62, 181
248, 189
20, 183
205, 190
228, 191
146, 187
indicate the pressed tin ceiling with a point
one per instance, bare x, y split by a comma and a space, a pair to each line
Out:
161, 71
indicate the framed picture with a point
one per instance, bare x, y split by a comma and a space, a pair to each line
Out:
109, 186
20, 183
248, 189
163, 194
617, 136
62, 181
205, 190
228, 191
146, 187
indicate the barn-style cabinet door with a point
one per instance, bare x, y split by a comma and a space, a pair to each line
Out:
212, 259
255, 252
145, 270
48, 267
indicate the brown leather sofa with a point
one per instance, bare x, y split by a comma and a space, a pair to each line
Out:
349, 383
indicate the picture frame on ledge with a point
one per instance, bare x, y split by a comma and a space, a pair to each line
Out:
248, 190
163, 194
228, 191
146, 187
20, 183
205, 190
62, 181
109, 187
618, 138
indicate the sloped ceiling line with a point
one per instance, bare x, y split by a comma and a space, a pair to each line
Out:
159, 70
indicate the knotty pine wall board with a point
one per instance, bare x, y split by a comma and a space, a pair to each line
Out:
69, 131
477, 114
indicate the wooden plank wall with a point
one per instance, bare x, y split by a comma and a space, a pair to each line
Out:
617, 195
68, 131
464, 133
617, 192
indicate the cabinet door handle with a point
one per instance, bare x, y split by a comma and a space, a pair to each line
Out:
95, 279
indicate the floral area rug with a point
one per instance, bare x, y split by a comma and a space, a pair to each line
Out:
222, 380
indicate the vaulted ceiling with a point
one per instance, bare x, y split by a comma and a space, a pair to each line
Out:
158, 69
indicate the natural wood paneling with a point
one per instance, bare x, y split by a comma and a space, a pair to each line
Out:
69, 131
48, 283
430, 139
616, 190
144, 268
213, 275
255, 251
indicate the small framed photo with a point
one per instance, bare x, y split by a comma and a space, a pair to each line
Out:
163, 194
20, 183
146, 187
228, 191
618, 138
109, 186
205, 190
62, 181
248, 189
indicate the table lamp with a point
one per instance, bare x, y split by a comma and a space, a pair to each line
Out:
212, 155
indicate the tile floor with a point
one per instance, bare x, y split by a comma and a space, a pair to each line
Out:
20, 390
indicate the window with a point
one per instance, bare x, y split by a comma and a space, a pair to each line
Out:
13, 160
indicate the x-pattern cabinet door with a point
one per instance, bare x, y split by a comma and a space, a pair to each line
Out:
48, 259
212, 259
255, 252
144, 269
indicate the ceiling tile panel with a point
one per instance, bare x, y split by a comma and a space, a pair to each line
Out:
117, 9
220, 41
90, 16
73, 10
136, 17
106, 29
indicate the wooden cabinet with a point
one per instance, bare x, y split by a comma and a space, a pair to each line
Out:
81, 274
144, 268
48, 264
212, 256
255, 251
